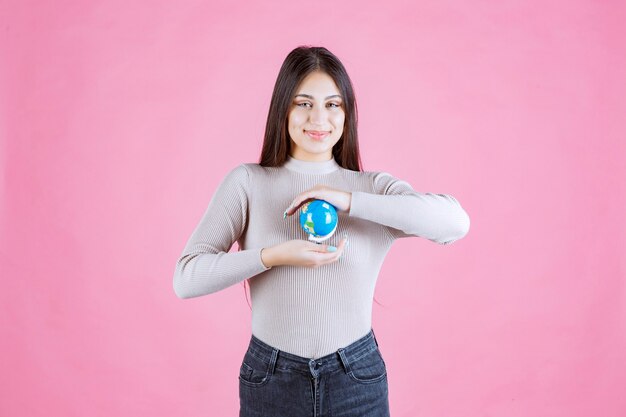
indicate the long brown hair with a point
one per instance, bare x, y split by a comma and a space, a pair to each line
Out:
297, 65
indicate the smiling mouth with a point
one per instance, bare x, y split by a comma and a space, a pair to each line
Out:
316, 134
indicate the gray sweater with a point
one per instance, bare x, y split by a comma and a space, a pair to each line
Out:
309, 312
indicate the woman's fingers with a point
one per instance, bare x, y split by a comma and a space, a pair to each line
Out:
294, 207
327, 254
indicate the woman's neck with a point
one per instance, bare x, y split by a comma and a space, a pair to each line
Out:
311, 167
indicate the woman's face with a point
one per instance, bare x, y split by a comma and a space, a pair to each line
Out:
316, 118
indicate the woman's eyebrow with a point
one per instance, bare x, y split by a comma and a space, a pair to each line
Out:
311, 97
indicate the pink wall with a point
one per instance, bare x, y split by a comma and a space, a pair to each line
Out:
118, 120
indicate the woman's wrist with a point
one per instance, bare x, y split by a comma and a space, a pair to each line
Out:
268, 257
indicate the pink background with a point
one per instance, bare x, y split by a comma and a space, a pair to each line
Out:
118, 121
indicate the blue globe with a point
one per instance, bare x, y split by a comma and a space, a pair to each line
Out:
318, 218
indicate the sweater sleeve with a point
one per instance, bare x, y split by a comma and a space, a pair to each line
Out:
205, 266
436, 217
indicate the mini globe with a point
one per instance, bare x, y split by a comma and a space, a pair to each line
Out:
318, 218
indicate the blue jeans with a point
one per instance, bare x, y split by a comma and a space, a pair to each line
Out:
349, 382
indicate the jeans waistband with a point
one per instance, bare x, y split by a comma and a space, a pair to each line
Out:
339, 359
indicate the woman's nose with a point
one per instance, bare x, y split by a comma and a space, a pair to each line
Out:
317, 115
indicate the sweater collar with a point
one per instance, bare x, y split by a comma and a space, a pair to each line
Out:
311, 167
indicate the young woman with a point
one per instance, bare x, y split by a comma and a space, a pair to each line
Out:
312, 351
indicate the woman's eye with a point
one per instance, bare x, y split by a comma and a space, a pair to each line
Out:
333, 105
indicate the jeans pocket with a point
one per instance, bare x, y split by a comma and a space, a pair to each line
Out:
369, 368
254, 372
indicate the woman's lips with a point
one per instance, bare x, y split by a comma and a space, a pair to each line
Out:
318, 135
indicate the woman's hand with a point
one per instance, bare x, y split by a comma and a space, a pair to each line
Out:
340, 199
302, 253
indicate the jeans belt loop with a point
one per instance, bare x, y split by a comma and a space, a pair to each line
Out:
273, 359
344, 359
